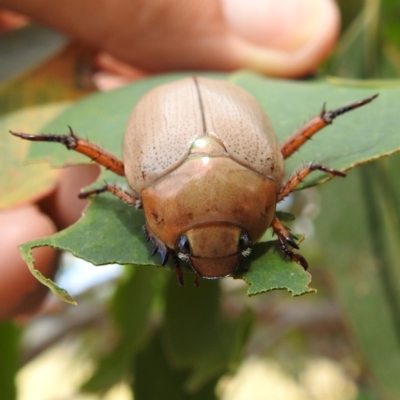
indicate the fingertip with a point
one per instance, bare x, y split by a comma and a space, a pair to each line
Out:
63, 205
288, 38
20, 292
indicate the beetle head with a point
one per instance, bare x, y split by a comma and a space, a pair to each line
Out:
214, 251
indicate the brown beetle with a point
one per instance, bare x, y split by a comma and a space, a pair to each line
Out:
205, 165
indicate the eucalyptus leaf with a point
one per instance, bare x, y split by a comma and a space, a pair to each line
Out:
276, 274
110, 232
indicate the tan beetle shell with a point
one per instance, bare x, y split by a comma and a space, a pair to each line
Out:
168, 119
204, 158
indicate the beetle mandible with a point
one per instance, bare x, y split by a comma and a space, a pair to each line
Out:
204, 164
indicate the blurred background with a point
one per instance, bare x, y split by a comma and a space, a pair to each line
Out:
134, 335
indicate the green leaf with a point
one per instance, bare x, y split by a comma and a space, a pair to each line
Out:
110, 231
92, 239
284, 216
277, 274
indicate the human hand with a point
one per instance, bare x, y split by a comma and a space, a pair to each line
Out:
20, 292
286, 38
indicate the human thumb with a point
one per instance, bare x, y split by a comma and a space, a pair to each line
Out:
286, 38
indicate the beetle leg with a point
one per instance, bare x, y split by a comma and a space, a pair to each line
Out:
293, 181
178, 270
310, 128
196, 279
286, 238
158, 246
73, 142
124, 195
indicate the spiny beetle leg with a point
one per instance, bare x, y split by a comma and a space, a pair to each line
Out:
123, 195
74, 142
294, 256
158, 246
319, 167
297, 177
283, 233
285, 238
164, 251
310, 128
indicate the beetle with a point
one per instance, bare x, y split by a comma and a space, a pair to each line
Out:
204, 164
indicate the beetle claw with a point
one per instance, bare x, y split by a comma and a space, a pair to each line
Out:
301, 260
158, 246
154, 249
290, 238
163, 252
286, 238
179, 276
164, 256
294, 256
291, 241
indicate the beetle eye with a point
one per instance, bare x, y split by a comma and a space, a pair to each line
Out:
184, 245
244, 242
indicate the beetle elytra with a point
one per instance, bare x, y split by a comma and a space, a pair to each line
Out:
204, 164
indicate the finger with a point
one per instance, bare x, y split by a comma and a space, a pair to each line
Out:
290, 38
20, 291
283, 38
63, 205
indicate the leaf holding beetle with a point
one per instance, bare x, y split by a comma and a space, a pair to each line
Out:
111, 232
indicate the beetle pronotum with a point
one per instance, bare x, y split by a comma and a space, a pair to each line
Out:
204, 164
